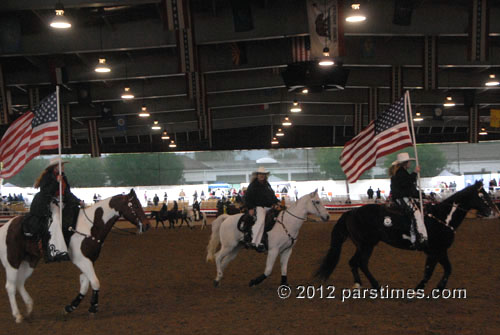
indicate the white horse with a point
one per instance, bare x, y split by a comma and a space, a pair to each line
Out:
93, 225
280, 239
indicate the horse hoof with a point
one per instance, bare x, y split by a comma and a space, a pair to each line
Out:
252, 283
19, 318
356, 286
216, 283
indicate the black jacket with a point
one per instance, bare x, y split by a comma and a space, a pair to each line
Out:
403, 184
49, 186
260, 195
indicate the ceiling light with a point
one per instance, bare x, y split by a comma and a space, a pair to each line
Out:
483, 132
144, 111
295, 107
102, 67
60, 21
492, 81
326, 60
449, 102
274, 141
155, 125
418, 117
355, 14
305, 90
172, 144
164, 135
127, 93
280, 133
286, 122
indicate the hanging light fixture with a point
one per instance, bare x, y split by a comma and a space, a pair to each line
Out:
305, 90
280, 133
172, 144
144, 112
155, 125
492, 81
164, 135
295, 107
275, 141
449, 102
127, 93
102, 67
326, 60
60, 21
355, 14
286, 122
418, 117
483, 132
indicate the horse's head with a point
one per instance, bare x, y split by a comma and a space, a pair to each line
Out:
315, 206
481, 200
130, 208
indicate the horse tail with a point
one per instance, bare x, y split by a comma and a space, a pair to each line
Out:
215, 237
330, 261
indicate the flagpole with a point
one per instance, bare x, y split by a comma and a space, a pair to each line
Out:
409, 115
59, 152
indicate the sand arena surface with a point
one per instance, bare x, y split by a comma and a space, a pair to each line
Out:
159, 283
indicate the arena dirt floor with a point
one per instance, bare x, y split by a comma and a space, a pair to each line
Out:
159, 283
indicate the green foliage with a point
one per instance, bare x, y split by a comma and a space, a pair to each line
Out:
432, 160
328, 160
111, 170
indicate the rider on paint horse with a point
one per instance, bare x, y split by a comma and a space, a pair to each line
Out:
35, 226
404, 193
259, 198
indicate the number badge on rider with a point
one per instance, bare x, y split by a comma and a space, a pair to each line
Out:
387, 221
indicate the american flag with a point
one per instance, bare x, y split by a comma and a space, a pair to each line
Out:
301, 49
32, 132
385, 135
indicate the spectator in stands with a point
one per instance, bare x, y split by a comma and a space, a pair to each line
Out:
296, 193
378, 194
182, 195
165, 197
370, 193
156, 200
493, 183
21, 197
145, 197
95, 198
195, 196
202, 195
9, 198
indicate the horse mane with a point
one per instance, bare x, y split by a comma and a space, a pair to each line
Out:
460, 194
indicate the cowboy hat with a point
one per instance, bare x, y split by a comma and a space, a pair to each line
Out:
261, 170
402, 157
55, 161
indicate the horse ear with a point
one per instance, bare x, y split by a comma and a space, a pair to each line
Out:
132, 192
316, 191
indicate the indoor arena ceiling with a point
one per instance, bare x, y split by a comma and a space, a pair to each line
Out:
242, 71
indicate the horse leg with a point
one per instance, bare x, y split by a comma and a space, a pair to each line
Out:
354, 264
430, 265
85, 265
24, 273
221, 263
365, 257
284, 257
84, 287
10, 286
271, 258
445, 263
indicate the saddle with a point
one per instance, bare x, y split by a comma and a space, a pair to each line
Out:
247, 221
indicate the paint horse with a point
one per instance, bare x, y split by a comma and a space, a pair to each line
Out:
93, 225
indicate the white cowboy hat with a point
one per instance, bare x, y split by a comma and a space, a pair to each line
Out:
261, 170
55, 161
402, 157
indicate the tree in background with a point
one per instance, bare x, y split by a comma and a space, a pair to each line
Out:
432, 160
212, 156
328, 160
31, 171
84, 171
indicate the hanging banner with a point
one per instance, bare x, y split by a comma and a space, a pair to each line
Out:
326, 27
495, 118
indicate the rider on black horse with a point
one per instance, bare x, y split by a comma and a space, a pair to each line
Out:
259, 197
35, 226
404, 193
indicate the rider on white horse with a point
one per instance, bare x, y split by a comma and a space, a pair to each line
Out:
404, 191
259, 198
35, 226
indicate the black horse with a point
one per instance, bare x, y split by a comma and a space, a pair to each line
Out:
368, 225
227, 207
166, 215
